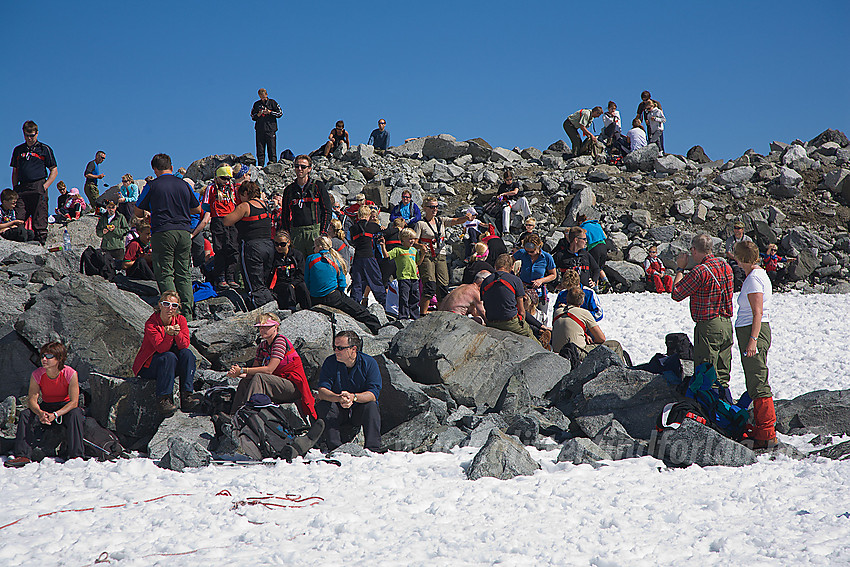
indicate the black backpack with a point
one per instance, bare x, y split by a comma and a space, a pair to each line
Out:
570, 352
264, 429
96, 262
679, 344
99, 442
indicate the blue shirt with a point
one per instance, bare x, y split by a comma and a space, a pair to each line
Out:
129, 192
379, 139
595, 234
321, 276
364, 376
169, 201
534, 270
413, 216
591, 302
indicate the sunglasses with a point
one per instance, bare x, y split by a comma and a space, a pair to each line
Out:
339, 348
30, 135
281, 244
432, 206
299, 166
381, 123
170, 304
48, 356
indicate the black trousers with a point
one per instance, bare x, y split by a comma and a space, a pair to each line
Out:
224, 246
257, 257
198, 256
140, 270
32, 202
339, 300
290, 294
18, 234
30, 430
266, 140
367, 416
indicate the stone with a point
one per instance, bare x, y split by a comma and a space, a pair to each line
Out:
447, 439
81, 232
378, 194
595, 362
401, 398
446, 173
444, 147
616, 441
541, 372
666, 233
16, 360
102, 325
835, 179
805, 265
581, 451
416, 435
641, 217
125, 406
553, 423
793, 154
410, 149
233, 340
597, 175
826, 409
479, 435
636, 254
502, 457
198, 430
642, 159
736, 175
624, 274
635, 397
215, 308
531, 153
526, 428
698, 155
204, 169
350, 448
684, 207
553, 161
789, 178
474, 362
183, 454
479, 150
839, 452
668, 164
799, 238
829, 135
693, 443
593, 425
504, 155
582, 203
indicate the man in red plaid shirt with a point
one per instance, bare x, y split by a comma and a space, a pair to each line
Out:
710, 286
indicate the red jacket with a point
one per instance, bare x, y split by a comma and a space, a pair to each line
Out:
156, 340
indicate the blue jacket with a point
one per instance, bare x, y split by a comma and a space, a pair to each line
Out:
321, 276
591, 302
415, 216
595, 233
364, 376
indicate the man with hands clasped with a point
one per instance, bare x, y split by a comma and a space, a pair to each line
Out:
349, 386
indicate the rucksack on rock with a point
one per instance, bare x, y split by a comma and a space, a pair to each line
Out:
729, 419
262, 429
99, 442
96, 262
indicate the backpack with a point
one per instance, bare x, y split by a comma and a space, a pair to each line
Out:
99, 442
729, 419
95, 262
287, 155
678, 344
217, 399
570, 352
264, 429
673, 414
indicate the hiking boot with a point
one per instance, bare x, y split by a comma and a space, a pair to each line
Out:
189, 402
765, 444
17, 462
307, 441
166, 406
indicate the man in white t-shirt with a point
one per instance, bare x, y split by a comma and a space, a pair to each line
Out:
637, 136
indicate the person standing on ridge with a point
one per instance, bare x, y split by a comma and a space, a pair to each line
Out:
265, 113
580, 120
93, 175
33, 171
380, 137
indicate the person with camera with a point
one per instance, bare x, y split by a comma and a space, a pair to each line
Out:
265, 113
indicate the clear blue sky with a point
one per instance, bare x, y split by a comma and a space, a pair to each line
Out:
137, 78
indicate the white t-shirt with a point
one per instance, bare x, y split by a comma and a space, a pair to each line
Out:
756, 282
637, 137
608, 119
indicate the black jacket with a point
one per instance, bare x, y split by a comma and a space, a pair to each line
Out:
267, 123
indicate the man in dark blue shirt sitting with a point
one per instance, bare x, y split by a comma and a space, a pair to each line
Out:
349, 386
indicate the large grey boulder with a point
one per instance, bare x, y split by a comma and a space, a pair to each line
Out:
835, 179
825, 411
623, 273
17, 364
668, 164
698, 155
81, 232
409, 149
634, 397
230, 341
541, 372
693, 443
204, 169
581, 451
642, 159
502, 457
198, 430
183, 454
805, 265
416, 435
595, 362
401, 398
736, 175
443, 146
474, 362
101, 325
126, 406
504, 155
616, 441
582, 203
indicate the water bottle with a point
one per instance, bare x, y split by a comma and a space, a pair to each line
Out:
67, 238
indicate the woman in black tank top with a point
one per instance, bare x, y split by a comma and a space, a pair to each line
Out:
254, 225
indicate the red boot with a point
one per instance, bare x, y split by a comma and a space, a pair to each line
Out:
765, 420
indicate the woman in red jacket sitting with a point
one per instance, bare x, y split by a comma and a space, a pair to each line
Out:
165, 354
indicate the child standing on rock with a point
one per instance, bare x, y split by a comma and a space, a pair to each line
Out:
407, 258
655, 123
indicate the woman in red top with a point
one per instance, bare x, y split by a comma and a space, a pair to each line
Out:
165, 354
277, 371
59, 389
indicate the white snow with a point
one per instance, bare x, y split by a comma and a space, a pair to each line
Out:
405, 509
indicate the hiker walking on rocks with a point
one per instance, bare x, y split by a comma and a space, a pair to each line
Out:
165, 355
277, 371
431, 231
349, 386
265, 113
752, 329
502, 294
710, 286
33, 171
580, 120
306, 207
170, 202
52, 401
93, 175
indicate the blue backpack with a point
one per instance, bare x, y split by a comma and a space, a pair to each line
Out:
729, 419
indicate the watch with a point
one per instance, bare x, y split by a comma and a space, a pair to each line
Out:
355, 398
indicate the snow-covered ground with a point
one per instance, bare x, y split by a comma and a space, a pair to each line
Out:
404, 509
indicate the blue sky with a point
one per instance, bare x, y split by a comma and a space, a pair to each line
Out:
139, 78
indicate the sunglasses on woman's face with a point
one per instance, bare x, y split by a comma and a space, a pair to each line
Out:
170, 304
48, 356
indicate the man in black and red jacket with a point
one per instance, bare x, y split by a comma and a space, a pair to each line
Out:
571, 254
306, 209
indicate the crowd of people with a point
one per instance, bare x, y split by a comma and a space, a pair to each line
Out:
302, 248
